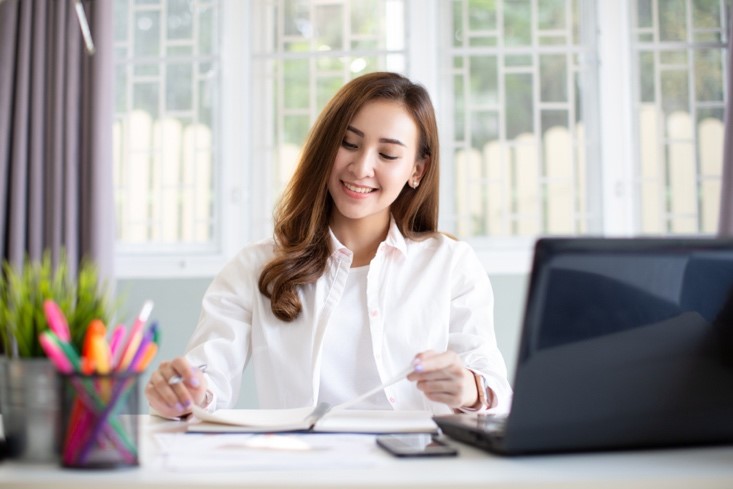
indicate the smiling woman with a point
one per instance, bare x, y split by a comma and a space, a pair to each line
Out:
379, 106
371, 168
357, 283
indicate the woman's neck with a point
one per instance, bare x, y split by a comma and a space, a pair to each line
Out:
361, 236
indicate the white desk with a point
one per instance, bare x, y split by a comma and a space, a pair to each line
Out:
700, 468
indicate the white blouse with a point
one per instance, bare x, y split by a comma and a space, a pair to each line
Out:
348, 368
431, 294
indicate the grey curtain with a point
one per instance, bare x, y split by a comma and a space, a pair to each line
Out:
726, 200
56, 112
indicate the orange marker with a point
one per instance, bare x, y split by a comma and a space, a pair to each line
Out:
147, 357
96, 347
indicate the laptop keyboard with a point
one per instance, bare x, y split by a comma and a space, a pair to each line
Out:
491, 423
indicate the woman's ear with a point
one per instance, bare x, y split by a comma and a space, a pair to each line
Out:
418, 171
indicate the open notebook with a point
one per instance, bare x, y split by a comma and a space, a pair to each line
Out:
323, 418
320, 419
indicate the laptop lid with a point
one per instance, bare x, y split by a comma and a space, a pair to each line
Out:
626, 343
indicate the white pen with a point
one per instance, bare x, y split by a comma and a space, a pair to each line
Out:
401, 375
177, 379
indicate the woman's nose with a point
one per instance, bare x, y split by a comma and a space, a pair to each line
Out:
362, 166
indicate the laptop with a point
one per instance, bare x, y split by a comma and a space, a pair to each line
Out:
626, 343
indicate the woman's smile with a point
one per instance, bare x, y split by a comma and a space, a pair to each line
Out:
360, 190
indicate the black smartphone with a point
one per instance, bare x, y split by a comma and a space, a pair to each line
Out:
415, 445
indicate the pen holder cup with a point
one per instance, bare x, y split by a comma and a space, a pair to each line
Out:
99, 426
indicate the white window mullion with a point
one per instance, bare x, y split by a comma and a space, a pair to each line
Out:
425, 35
616, 119
239, 178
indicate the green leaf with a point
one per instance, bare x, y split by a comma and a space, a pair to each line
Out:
81, 298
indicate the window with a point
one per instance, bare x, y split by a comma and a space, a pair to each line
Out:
679, 56
215, 99
519, 106
165, 130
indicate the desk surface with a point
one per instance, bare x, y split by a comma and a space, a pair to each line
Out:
699, 468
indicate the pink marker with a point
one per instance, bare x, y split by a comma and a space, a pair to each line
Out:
135, 337
56, 320
115, 341
54, 353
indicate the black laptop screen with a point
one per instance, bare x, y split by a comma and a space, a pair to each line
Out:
625, 342
617, 292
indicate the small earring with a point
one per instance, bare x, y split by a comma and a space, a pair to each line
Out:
415, 183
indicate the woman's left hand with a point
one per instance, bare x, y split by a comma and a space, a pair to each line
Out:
442, 377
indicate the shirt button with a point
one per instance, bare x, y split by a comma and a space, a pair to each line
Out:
374, 313
392, 400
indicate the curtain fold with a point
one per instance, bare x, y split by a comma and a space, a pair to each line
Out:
725, 226
56, 112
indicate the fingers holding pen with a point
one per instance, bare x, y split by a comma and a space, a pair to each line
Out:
442, 377
161, 396
174, 387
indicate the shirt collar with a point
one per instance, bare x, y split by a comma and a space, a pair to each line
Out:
394, 240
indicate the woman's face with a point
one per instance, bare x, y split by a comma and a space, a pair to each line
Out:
377, 157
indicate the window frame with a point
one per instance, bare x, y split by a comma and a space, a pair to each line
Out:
244, 213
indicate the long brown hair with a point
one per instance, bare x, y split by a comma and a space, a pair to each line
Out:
303, 213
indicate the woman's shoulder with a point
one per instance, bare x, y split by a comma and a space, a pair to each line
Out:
438, 239
253, 255
444, 247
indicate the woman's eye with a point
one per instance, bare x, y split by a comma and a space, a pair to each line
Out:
388, 157
347, 144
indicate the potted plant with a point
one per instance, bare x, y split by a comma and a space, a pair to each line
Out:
28, 386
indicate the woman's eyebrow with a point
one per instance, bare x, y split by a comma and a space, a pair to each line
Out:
381, 140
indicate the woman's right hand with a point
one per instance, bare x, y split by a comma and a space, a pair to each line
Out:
172, 399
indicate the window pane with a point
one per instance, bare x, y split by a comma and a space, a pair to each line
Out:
679, 123
179, 20
164, 135
551, 14
710, 131
519, 119
327, 86
519, 144
647, 79
121, 21
672, 25
709, 75
517, 22
459, 30
482, 15
207, 31
644, 14
179, 87
484, 88
295, 77
329, 27
553, 75
147, 34
674, 91
707, 20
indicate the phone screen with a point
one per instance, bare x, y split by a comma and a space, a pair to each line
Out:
415, 445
